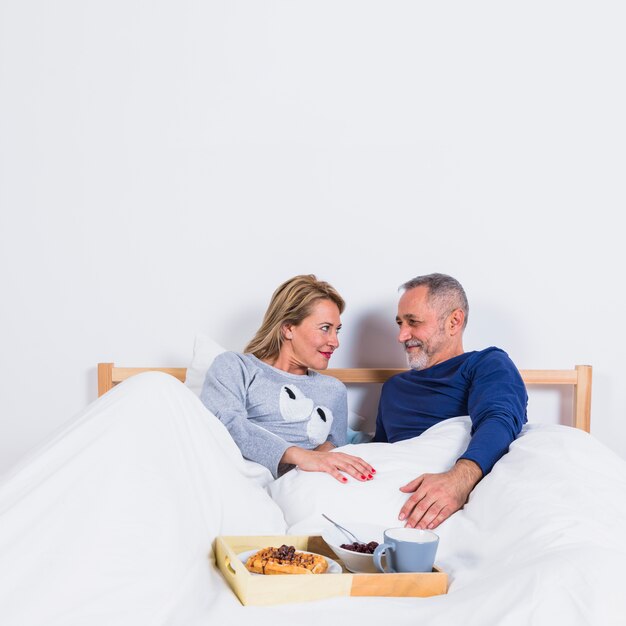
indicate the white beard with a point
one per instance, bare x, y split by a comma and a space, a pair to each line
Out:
417, 361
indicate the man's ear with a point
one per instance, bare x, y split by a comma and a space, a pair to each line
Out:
455, 321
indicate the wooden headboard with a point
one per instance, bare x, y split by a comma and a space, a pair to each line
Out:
579, 378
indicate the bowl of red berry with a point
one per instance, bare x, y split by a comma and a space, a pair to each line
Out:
357, 556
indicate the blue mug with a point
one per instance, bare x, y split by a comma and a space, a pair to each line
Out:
407, 550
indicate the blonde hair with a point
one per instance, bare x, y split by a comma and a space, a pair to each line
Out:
290, 304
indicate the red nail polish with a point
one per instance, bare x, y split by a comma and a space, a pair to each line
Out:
373, 471
362, 477
369, 476
344, 479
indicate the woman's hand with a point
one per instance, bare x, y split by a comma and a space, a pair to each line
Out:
333, 463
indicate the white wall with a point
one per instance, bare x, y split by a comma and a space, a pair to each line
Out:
165, 165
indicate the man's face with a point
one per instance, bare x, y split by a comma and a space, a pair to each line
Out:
421, 330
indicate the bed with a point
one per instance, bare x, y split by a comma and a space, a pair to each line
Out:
113, 520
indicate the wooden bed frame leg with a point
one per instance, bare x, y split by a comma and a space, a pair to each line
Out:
582, 398
105, 378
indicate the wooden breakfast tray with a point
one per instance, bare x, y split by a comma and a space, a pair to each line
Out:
252, 589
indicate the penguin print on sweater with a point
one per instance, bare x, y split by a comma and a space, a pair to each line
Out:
296, 407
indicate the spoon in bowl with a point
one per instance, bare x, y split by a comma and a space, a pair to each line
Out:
349, 534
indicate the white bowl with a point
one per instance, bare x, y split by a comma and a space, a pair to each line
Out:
354, 561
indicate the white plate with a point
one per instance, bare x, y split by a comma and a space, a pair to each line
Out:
333, 566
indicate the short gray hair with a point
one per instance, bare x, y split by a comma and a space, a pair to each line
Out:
446, 293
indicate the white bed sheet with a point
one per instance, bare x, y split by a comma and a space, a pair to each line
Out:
111, 523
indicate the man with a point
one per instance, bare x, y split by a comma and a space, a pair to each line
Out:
444, 381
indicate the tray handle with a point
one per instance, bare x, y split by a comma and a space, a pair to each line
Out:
228, 567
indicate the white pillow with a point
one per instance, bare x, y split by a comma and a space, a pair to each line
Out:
204, 351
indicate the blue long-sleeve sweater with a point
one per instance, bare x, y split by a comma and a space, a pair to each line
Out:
484, 384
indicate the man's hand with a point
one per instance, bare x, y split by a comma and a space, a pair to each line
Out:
437, 496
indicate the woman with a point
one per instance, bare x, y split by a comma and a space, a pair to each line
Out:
279, 410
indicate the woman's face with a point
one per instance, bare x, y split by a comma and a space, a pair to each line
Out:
310, 344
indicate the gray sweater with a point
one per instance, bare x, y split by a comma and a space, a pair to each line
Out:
267, 410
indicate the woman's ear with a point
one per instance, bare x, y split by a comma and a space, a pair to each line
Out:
287, 331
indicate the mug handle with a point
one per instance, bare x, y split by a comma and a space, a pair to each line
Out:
378, 553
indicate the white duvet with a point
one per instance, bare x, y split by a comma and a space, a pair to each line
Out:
111, 523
